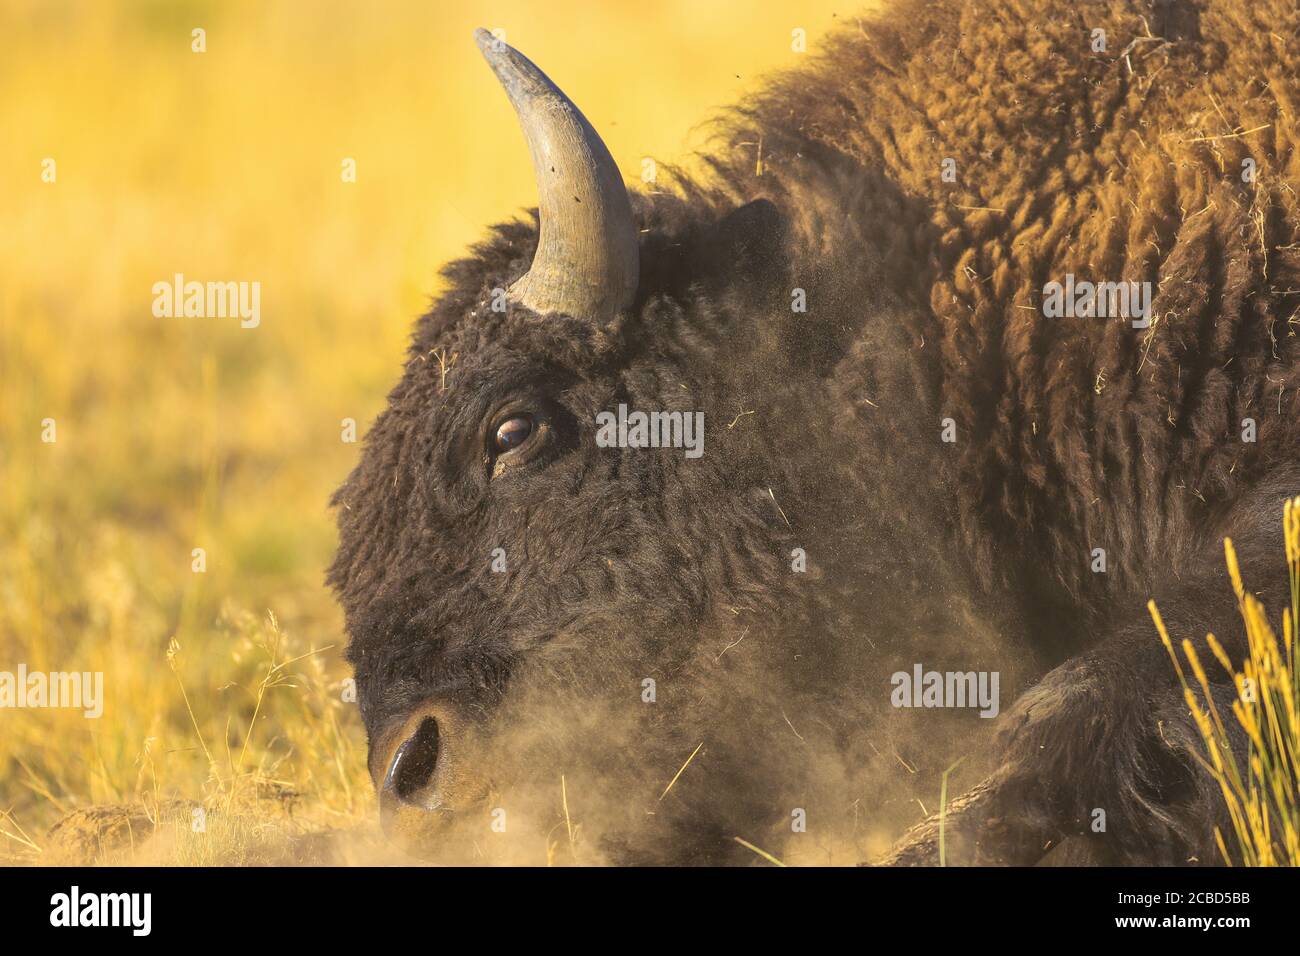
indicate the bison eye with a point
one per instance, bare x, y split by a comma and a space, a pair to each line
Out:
512, 433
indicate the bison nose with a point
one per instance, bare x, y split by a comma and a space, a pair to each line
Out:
426, 789
412, 773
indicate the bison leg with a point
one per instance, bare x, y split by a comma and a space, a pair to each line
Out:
1092, 751
1103, 747
975, 830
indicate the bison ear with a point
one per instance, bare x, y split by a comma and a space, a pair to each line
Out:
749, 237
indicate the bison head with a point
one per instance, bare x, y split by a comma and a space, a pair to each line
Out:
546, 629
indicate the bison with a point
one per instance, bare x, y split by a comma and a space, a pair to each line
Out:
929, 448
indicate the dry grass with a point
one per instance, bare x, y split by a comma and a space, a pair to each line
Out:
1261, 789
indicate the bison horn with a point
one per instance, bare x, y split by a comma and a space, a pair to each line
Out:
587, 261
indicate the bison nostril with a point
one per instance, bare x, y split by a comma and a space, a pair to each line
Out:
414, 763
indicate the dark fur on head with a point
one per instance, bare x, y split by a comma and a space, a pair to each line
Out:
822, 433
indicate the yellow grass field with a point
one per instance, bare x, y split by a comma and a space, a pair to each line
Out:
224, 690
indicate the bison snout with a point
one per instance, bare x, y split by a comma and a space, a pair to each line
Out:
412, 773
421, 778
415, 775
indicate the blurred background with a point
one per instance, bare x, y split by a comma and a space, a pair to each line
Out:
173, 434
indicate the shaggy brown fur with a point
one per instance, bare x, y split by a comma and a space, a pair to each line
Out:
924, 303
